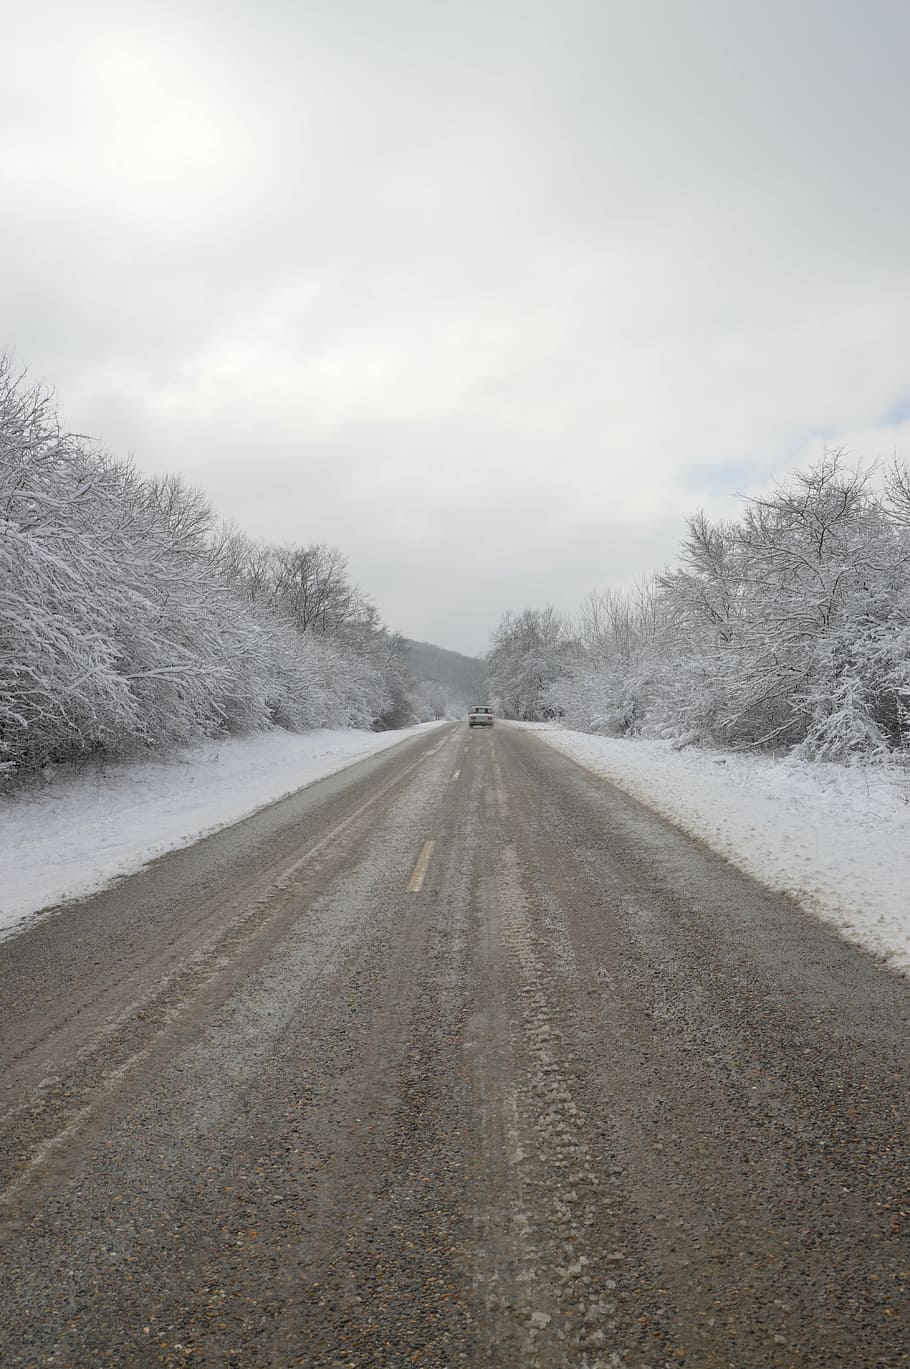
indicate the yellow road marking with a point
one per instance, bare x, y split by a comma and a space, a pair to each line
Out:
415, 883
502, 798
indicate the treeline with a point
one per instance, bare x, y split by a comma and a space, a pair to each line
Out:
785, 629
130, 619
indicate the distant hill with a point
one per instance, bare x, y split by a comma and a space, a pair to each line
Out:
449, 682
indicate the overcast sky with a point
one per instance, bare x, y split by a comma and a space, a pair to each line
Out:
489, 295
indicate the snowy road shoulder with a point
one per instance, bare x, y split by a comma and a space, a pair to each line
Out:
834, 837
80, 833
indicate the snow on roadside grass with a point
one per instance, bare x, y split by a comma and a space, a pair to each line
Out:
81, 832
835, 837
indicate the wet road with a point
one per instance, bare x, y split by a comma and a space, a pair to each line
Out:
459, 1057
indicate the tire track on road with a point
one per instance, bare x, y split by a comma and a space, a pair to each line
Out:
225, 941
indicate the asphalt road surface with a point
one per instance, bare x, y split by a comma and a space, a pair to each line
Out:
460, 1057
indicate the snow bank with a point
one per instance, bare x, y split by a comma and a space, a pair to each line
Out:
82, 832
835, 837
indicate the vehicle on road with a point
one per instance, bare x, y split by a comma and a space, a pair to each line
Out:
480, 716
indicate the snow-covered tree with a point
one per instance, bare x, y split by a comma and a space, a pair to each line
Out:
129, 620
793, 623
528, 653
788, 628
608, 683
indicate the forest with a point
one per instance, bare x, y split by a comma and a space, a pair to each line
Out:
132, 620
786, 629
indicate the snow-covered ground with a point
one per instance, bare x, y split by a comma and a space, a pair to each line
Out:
835, 837
81, 832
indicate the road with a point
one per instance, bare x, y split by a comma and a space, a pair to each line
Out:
459, 1057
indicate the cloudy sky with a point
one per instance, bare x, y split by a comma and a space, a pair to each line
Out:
490, 295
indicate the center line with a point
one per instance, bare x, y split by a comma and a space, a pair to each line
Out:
415, 883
